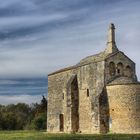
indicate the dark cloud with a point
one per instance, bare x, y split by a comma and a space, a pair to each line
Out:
27, 30
38, 7
77, 11
17, 8
28, 86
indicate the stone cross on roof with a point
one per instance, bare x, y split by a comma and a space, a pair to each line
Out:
111, 44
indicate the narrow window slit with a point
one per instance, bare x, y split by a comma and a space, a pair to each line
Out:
87, 92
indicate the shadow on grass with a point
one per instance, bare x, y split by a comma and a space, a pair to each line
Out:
35, 135
93, 137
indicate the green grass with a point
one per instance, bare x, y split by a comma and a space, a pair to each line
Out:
35, 135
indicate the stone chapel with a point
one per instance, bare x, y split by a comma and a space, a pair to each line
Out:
100, 94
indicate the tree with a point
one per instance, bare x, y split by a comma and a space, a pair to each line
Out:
22, 116
9, 121
42, 107
40, 120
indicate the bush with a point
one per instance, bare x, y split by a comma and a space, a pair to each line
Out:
39, 122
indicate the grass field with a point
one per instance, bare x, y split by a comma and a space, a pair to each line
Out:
34, 135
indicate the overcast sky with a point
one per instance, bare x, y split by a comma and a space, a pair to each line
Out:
38, 37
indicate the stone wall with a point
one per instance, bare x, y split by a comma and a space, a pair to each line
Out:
124, 108
56, 99
84, 99
90, 80
91, 83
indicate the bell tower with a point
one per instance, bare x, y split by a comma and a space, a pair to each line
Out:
111, 44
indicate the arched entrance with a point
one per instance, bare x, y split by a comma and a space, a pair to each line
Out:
75, 105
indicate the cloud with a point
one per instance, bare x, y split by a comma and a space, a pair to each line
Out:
5, 100
28, 86
38, 37
35, 39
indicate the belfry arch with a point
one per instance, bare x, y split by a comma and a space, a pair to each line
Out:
128, 71
120, 69
112, 69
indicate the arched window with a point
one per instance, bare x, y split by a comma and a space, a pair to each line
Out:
120, 68
112, 69
128, 71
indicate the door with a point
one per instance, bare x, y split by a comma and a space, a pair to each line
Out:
61, 118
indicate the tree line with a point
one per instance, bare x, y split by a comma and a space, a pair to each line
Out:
23, 116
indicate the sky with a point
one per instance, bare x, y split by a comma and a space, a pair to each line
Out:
38, 37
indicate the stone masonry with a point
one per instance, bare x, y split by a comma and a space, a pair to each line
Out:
99, 94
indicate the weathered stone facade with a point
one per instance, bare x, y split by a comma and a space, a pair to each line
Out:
99, 94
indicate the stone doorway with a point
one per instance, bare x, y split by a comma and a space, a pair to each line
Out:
61, 119
74, 105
